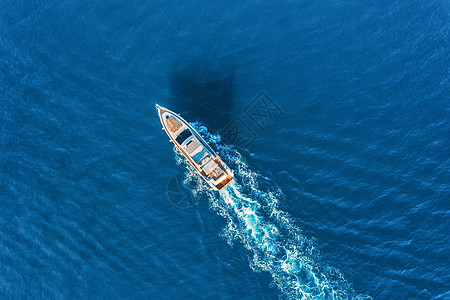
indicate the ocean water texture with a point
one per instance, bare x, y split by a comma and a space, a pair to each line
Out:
277, 245
343, 195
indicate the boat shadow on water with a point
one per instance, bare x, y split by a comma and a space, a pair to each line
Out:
203, 93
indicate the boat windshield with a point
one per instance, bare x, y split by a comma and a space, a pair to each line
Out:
183, 136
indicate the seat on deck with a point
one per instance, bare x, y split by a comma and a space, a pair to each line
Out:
216, 173
211, 165
174, 125
192, 146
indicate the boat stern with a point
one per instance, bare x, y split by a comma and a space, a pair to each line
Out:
224, 182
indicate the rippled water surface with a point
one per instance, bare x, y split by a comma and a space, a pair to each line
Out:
342, 178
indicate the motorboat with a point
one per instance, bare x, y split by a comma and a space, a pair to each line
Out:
195, 149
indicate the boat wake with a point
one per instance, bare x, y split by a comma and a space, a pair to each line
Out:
276, 244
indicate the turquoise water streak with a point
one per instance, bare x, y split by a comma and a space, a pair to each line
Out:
277, 246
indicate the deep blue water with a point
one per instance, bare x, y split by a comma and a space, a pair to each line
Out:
343, 192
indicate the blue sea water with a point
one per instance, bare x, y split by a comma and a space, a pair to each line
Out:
343, 194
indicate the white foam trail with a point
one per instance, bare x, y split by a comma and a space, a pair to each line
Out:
276, 244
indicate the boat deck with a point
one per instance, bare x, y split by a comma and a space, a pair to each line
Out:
196, 150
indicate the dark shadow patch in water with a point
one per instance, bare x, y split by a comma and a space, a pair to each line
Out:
202, 91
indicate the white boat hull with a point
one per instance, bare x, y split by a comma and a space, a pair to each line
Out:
195, 149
